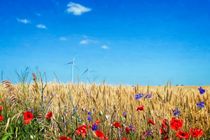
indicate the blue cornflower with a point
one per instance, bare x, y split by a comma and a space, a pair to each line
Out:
125, 114
176, 112
200, 104
139, 96
201, 90
89, 113
89, 118
94, 127
148, 133
148, 96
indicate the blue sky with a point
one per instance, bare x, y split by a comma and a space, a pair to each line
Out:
145, 42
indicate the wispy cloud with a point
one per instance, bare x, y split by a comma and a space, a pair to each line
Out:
87, 41
41, 26
23, 20
77, 9
105, 47
62, 38
84, 42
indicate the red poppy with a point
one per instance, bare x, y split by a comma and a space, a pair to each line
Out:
127, 130
164, 127
82, 130
182, 135
176, 124
1, 108
140, 108
49, 115
150, 121
100, 135
196, 133
27, 117
116, 124
124, 138
1, 118
64, 138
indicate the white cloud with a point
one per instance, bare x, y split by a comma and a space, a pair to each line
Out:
105, 47
23, 21
62, 38
85, 42
41, 26
77, 9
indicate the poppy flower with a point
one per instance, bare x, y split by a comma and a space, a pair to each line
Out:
116, 124
196, 133
64, 138
164, 130
27, 117
124, 138
140, 108
139, 96
127, 130
201, 90
200, 104
150, 121
176, 124
49, 115
1, 108
1, 118
81, 130
99, 134
182, 135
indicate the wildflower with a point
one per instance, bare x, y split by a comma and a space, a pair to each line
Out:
127, 130
107, 117
27, 117
82, 130
200, 104
150, 121
124, 138
1, 108
1, 118
89, 113
94, 127
64, 138
49, 115
182, 135
201, 90
148, 133
196, 133
140, 108
100, 135
176, 112
89, 118
164, 130
148, 96
124, 114
116, 124
139, 96
176, 124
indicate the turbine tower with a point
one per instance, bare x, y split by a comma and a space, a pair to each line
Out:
72, 63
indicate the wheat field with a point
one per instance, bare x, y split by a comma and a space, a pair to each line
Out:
73, 104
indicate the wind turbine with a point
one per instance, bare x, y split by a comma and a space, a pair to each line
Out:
72, 63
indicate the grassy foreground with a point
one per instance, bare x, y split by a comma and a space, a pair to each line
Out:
80, 111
